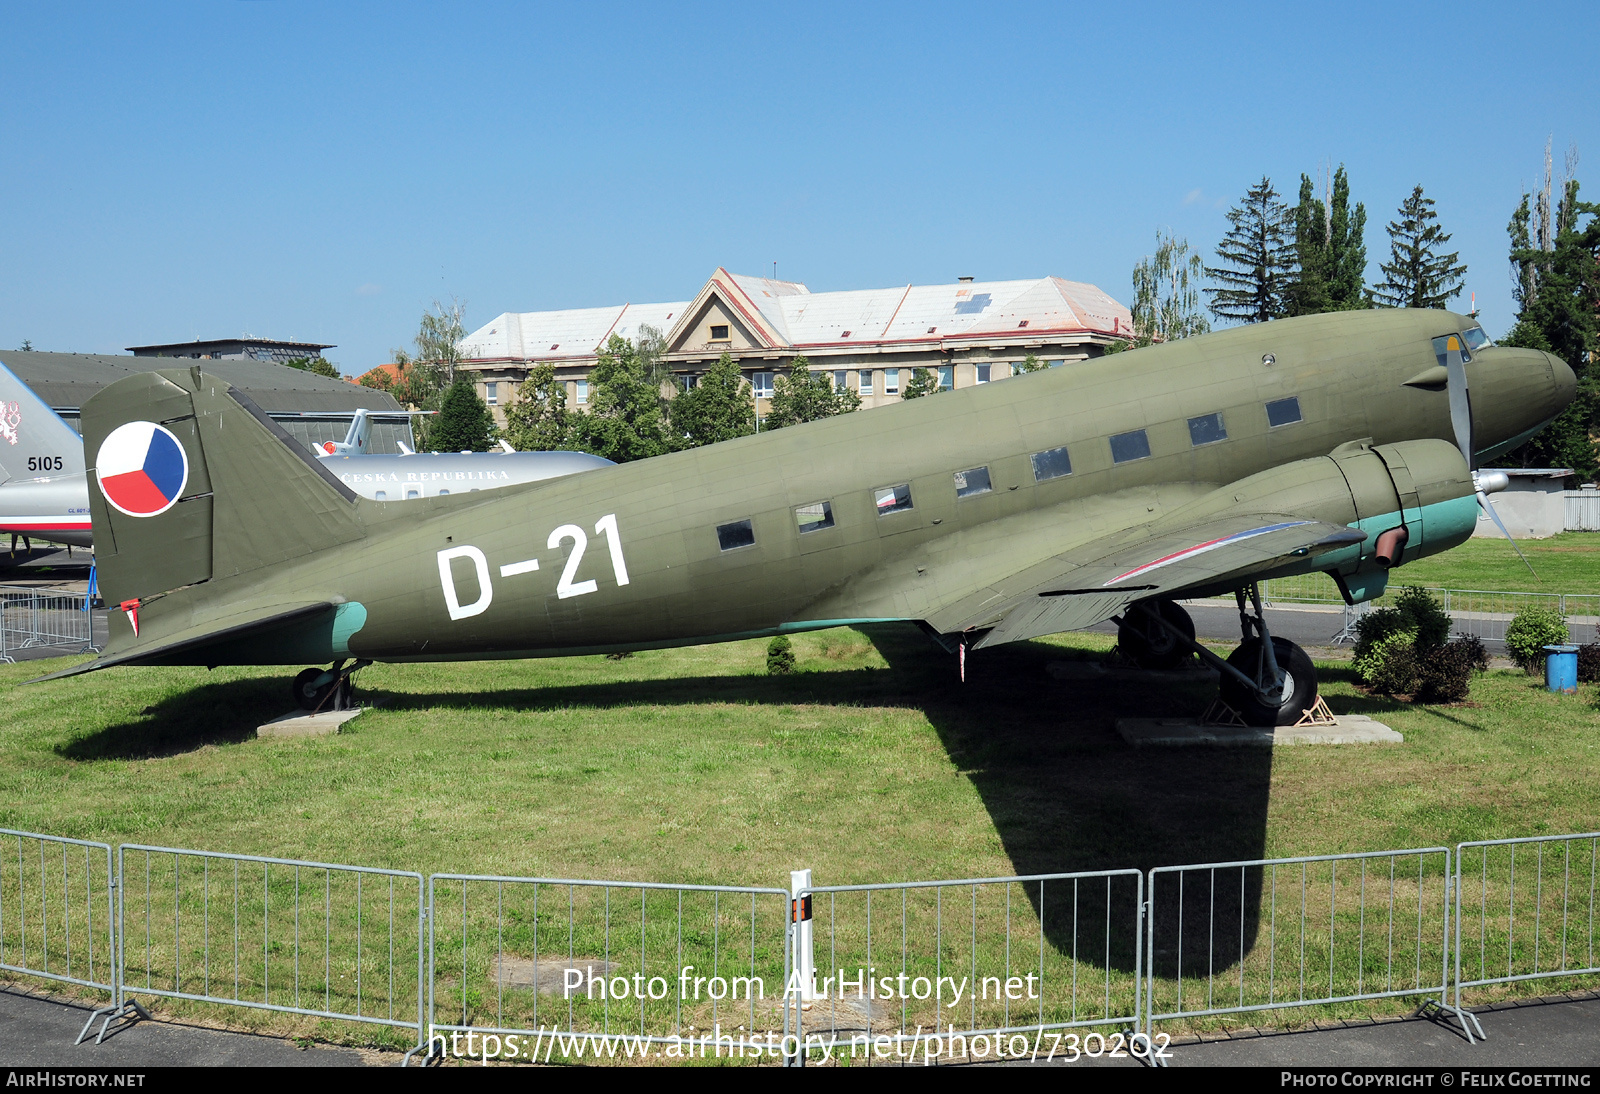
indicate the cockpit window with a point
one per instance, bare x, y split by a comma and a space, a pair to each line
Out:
1443, 345
1475, 337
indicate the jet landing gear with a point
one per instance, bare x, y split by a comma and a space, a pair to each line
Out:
1268, 681
330, 688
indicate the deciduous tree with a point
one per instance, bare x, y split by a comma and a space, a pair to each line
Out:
624, 420
1166, 293
319, 365
536, 421
718, 408
802, 397
924, 381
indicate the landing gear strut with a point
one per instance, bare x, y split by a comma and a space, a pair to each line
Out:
330, 688
1269, 681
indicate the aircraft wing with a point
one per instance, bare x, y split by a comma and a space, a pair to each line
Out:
1030, 583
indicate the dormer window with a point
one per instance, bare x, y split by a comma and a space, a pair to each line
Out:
719, 332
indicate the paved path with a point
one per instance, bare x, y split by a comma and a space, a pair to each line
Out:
38, 1031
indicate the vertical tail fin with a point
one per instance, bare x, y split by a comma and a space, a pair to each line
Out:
34, 442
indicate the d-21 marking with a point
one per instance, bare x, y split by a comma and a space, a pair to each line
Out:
565, 587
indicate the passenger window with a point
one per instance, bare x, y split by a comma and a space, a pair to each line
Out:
892, 499
1206, 430
442, 493
1126, 447
975, 481
1284, 411
814, 517
1051, 464
733, 536
383, 495
413, 493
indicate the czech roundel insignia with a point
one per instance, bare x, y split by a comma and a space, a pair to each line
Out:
142, 469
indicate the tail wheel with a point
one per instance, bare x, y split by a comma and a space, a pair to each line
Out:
311, 687
1299, 692
1151, 646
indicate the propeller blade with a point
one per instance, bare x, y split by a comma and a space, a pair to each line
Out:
1488, 507
1460, 400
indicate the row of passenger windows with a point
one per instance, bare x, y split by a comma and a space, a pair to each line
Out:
1052, 463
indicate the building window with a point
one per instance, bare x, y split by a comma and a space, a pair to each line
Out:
983, 374
1284, 411
892, 499
865, 380
1051, 464
973, 482
761, 383
1206, 430
689, 381
730, 537
840, 383
947, 377
1126, 447
491, 393
583, 392
814, 517
719, 332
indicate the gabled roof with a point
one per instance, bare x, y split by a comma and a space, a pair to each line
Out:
787, 315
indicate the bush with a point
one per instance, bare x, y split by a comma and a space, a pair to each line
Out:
1425, 615
1389, 664
780, 656
1589, 663
1445, 672
1531, 630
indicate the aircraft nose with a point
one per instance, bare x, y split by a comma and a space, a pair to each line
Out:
1566, 381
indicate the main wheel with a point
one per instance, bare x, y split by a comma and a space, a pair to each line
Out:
307, 694
1151, 646
1299, 684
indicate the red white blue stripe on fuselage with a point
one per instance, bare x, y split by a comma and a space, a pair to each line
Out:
1201, 548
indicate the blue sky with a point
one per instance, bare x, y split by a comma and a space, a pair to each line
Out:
324, 172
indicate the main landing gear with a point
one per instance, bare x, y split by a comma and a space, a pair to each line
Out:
1268, 681
327, 689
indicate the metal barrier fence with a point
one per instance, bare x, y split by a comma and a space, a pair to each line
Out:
56, 909
1532, 926
1481, 612
1317, 930
32, 617
567, 966
1582, 510
986, 962
640, 970
313, 938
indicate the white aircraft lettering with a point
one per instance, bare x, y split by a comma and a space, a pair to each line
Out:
452, 599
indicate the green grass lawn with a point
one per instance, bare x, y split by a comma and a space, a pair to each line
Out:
1567, 563
872, 763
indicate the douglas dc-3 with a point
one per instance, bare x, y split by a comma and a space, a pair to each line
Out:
1345, 443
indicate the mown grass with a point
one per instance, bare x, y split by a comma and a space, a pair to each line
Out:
1566, 563
872, 763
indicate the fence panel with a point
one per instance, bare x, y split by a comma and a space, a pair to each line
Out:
32, 617
313, 938
1525, 909
560, 966
1582, 510
988, 964
56, 909
1484, 613
1271, 934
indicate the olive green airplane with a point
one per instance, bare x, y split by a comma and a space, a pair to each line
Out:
1106, 490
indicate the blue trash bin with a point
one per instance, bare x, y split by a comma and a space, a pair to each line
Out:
1561, 669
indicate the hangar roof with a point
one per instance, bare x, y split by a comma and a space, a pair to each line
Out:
67, 380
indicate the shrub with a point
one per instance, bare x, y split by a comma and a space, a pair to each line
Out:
1589, 663
1530, 631
1425, 615
1445, 672
780, 656
1389, 664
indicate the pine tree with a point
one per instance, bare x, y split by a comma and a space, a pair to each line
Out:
802, 397
536, 421
718, 408
1256, 260
1417, 275
464, 423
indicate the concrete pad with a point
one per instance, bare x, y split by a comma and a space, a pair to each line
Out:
300, 724
1349, 729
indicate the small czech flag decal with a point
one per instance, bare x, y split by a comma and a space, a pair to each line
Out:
142, 469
